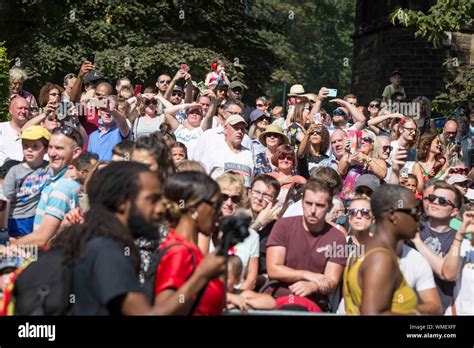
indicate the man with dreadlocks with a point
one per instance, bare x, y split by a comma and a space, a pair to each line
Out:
127, 196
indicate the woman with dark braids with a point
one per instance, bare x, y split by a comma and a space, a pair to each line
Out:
193, 205
125, 200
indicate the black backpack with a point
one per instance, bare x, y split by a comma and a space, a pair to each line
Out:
150, 275
44, 287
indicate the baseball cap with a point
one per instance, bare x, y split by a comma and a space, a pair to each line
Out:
470, 194
395, 72
235, 84
457, 178
178, 88
256, 114
235, 119
222, 85
35, 133
368, 180
92, 76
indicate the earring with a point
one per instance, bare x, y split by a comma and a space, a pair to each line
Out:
194, 215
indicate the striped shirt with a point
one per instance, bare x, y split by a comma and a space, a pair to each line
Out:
59, 196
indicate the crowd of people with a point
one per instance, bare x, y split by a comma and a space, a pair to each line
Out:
365, 210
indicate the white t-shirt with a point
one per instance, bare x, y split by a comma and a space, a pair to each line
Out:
464, 288
210, 138
296, 209
250, 247
219, 158
408, 165
10, 144
416, 270
188, 137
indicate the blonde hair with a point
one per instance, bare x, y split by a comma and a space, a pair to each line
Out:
375, 150
229, 179
190, 166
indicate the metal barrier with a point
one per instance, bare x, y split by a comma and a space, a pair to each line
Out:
252, 312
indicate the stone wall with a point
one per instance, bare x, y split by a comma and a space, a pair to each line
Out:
380, 47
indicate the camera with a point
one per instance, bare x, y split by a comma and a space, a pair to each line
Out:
62, 111
235, 229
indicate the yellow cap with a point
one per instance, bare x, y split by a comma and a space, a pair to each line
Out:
35, 133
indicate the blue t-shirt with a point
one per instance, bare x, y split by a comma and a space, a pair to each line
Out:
102, 142
58, 197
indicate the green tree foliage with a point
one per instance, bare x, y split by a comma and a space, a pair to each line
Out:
444, 16
4, 82
260, 43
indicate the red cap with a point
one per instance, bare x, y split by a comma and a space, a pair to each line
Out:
291, 300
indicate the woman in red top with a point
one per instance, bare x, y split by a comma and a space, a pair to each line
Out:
193, 206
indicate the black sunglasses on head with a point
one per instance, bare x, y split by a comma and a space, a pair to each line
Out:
70, 133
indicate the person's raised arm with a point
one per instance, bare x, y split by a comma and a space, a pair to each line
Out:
435, 261
188, 94
206, 123
357, 115
179, 75
323, 94
120, 118
75, 95
452, 261
166, 103
304, 145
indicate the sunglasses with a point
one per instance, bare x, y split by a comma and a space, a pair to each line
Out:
283, 157
235, 199
387, 148
409, 129
365, 213
367, 140
339, 112
317, 132
260, 105
164, 81
374, 106
174, 94
268, 119
272, 135
442, 201
70, 133
462, 171
149, 102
